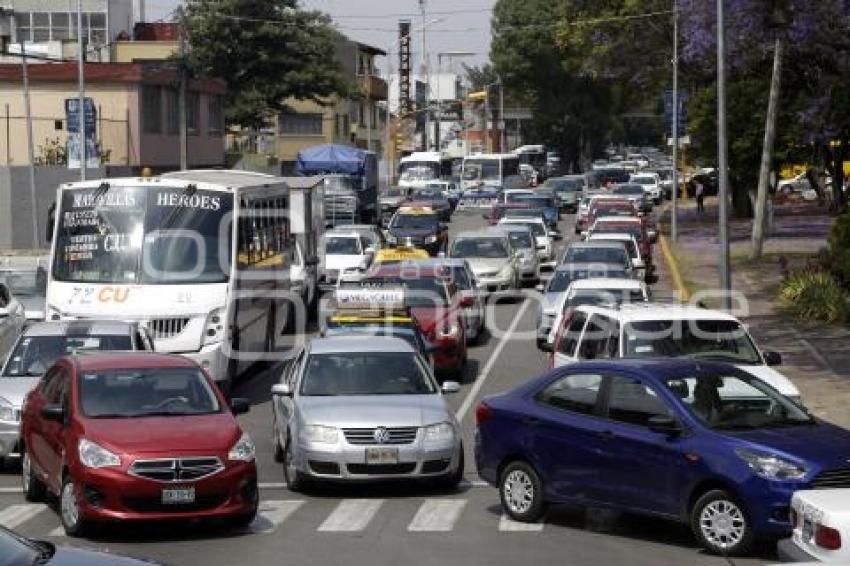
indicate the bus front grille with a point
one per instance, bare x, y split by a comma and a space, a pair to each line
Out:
161, 328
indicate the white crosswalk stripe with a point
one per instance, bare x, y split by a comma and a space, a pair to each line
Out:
351, 515
437, 515
57, 532
506, 524
271, 514
15, 515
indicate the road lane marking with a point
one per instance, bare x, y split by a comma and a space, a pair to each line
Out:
272, 513
351, 515
485, 373
271, 485
15, 515
57, 532
10, 490
437, 515
506, 524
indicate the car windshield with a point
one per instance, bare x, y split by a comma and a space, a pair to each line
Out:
563, 185
429, 194
148, 392
603, 297
587, 254
479, 248
365, 373
628, 190
629, 244
603, 211
724, 340
516, 197
522, 240
562, 278
342, 246
736, 402
415, 221
394, 192
375, 329
419, 173
25, 283
34, 354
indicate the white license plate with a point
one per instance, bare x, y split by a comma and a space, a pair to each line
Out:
382, 455
176, 496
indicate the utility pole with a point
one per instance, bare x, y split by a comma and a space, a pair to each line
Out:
502, 141
722, 158
81, 78
674, 216
487, 120
181, 96
30, 151
368, 105
424, 70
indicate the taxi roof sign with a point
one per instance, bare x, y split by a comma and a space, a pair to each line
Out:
416, 210
389, 298
399, 254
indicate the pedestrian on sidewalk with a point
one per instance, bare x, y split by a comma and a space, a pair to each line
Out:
699, 190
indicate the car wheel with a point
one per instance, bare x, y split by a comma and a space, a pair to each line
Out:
521, 492
277, 448
294, 479
33, 488
720, 523
69, 509
242, 521
453, 479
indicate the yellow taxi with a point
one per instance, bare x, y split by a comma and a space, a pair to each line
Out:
399, 254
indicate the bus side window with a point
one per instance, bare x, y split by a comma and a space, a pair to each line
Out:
245, 235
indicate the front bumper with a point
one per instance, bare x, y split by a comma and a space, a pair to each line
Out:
347, 462
496, 283
212, 359
114, 495
10, 434
790, 552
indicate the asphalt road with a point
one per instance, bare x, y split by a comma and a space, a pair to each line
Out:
393, 523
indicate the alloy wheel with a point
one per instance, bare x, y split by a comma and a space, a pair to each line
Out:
68, 505
519, 492
723, 524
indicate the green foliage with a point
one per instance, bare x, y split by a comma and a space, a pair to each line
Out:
839, 248
815, 295
267, 51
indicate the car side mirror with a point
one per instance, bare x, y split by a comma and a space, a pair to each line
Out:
466, 301
51, 221
370, 250
281, 390
545, 346
540, 288
664, 424
450, 387
240, 405
585, 234
53, 413
638, 263
772, 358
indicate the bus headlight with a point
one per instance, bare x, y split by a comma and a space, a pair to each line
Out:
214, 327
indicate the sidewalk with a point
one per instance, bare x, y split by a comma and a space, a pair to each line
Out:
815, 357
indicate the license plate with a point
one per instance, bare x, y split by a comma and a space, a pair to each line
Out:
382, 455
808, 530
180, 495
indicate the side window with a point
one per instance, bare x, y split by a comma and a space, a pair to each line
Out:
577, 393
613, 345
294, 369
64, 395
594, 343
569, 340
49, 384
633, 402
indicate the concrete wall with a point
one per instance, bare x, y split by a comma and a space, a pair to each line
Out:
16, 224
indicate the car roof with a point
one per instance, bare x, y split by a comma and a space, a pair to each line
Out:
492, 232
99, 361
605, 283
521, 220
79, 328
619, 220
597, 244
515, 227
407, 269
654, 369
610, 236
355, 227
583, 265
342, 233
356, 343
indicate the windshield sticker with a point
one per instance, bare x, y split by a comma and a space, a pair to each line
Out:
643, 349
204, 202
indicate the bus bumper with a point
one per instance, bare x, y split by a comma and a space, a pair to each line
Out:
212, 359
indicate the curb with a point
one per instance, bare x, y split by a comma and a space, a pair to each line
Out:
673, 266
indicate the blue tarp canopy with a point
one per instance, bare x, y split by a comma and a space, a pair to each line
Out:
332, 158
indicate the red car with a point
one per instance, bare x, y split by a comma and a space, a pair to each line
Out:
435, 303
136, 436
497, 212
633, 226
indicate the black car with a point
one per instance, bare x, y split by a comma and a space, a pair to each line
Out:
418, 227
436, 199
17, 550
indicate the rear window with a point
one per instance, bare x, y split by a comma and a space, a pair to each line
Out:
34, 354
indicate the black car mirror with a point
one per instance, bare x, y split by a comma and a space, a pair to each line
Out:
240, 406
664, 424
53, 413
772, 358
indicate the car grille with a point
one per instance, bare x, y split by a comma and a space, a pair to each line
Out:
398, 435
150, 505
831, 479
161, 328
176, 469
381, 469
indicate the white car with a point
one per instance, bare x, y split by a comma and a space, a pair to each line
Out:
511, 195
820, 519
660, 330
651, 183
542, 238
12, 319
343, 254
639, 263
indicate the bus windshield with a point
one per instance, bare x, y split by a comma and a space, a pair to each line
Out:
484, 169
143, 235
419, 170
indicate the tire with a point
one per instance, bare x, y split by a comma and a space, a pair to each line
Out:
240, 522
69, 510
451, 480
521, 492
721, 523
295, 480
33, 488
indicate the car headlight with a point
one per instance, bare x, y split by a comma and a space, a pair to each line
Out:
527, 260
440, 432
93, 455
449, 331
770, 466
7, 410
506, 270
320, 433
431, 239
214, 327
391, 239
244, 449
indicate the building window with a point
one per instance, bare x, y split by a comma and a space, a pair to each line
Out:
193, 112
361, 114
23, 29
172, 109
40, 27
305, 124
60, 23
151, 109
96, 23
215, 115
346, 125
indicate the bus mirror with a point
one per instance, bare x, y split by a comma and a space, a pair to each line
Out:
51, 220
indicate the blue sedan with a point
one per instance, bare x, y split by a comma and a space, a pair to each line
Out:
694, 441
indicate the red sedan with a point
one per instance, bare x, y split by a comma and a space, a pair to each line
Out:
132, 436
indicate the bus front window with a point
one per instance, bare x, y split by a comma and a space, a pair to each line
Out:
485, 169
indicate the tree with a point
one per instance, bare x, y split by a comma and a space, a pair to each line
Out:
267, 51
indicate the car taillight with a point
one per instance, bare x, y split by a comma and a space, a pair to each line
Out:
482, 413
827, 537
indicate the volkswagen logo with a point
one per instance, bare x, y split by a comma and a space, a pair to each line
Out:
381, 435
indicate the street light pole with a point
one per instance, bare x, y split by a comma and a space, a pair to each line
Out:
81, 78
674, 215
502, 141
722, 158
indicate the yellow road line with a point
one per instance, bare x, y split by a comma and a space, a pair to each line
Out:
673, 266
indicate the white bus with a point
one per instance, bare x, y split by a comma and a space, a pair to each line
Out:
166, 251
419, 168
500, 169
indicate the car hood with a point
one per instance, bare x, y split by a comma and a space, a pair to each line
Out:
341, 262
552, 302
374, 410
428, 317
772, 378
14, 389
410, 233
486, 265
67, 556
826, 444
208, 434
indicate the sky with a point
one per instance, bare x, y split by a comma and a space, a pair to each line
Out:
463, 25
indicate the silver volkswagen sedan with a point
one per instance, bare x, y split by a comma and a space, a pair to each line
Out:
353, 408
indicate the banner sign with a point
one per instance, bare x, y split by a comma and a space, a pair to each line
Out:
73, 146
